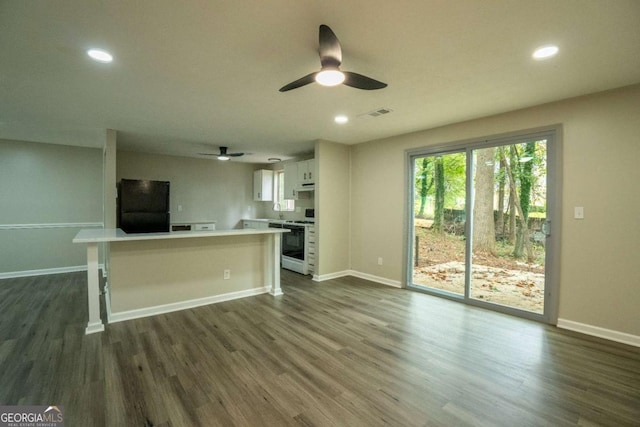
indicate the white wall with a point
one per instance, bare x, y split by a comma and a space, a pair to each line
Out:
599, 279
332, 213
40, 185
207, 189
152, 273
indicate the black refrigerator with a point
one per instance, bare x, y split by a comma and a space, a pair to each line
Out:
143, 206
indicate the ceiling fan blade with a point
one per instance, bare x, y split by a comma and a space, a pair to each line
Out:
235, 154
309, 78
208, 154
329, 48
359, 81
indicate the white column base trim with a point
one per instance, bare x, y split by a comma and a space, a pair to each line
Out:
596, 331
276, 293
369, 277
107, 302
92, 328
183, 305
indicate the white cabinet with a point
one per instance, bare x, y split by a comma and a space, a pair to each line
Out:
290, 181
204, 226
299, 176
306, 172
310, 256
263, 185
193, 226
247, 223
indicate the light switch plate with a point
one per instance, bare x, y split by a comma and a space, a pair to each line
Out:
578, 212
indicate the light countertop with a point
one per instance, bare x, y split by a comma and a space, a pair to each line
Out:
117, 235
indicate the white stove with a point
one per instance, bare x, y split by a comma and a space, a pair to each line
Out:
295, 244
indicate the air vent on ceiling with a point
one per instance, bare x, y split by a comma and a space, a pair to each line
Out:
375, 113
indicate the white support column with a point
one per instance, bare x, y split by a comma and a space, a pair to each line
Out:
274, 264
93, 290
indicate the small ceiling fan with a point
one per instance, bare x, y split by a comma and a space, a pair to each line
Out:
330, 73
223, 155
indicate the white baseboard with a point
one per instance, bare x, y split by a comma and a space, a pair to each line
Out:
596, 331
377, 279
336, 275
370, 277
183, 305
45, 271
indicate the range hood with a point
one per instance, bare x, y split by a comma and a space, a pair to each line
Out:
306, 187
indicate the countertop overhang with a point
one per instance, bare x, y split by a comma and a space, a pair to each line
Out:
117, 235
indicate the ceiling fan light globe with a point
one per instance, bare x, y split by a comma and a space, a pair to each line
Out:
330, 77
545, 52
223, 158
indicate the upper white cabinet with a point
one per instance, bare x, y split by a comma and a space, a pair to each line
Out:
306, 172
290, 181
299, 176
263, 185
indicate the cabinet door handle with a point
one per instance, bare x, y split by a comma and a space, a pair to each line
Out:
259, 195
309, 175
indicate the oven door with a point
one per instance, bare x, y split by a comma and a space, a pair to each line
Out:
293, 242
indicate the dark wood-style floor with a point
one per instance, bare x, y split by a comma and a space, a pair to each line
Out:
343, 352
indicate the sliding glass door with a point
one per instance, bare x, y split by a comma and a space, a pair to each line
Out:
439, 218
480, 220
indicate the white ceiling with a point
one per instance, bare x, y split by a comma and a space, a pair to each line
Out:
191, 75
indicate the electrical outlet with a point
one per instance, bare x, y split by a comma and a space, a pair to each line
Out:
227, 274
379, 260
179, 208
578, 212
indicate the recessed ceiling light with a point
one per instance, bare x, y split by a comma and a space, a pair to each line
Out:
545, 52
341, 119
100, 55
274, 159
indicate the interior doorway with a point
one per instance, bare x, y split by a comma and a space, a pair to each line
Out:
480, 224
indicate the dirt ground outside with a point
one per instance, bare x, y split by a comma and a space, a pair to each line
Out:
501, 280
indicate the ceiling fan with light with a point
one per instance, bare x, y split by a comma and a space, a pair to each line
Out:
223, 155
330, 73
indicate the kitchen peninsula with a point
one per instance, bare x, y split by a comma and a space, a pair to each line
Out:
154, 273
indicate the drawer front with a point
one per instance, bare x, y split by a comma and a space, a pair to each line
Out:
204, 227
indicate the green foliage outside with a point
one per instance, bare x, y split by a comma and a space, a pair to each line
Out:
440, 187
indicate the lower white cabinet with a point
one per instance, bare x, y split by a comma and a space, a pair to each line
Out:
193, 226
203, 227
310, 256
258, 225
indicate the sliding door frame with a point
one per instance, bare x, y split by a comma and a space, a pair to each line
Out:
553, 135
